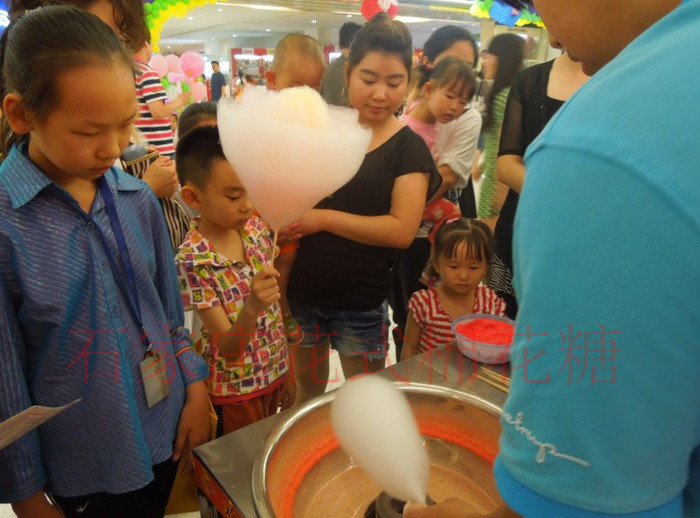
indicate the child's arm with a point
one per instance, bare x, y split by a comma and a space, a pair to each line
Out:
231, 339
395, 230
411, 338
36, 506
161, 109
193, 427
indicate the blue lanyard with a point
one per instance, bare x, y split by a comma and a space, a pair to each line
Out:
129, 290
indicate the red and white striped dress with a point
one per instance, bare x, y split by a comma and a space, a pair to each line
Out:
436, 324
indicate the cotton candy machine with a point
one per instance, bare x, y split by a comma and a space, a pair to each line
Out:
301, 472
298, 469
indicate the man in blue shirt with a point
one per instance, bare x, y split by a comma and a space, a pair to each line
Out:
603, 416
217, 83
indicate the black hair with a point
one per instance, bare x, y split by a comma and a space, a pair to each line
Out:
510, 50
195, 155
347, 33
42, 44
474, 234
452, 73
214, 62
381, 34
128, 17
192, 116
446, 36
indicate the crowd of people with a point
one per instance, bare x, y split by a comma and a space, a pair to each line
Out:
109, 235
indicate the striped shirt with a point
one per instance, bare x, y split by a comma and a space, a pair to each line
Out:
436, 324
66, 332
157, 132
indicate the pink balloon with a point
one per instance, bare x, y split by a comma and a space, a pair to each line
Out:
158, 64
173, 64
175, 78
199, 92
192, 64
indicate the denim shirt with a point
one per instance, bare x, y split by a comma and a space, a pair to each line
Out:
67, 332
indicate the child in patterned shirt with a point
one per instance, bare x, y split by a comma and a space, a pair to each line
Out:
226, 275
460, 258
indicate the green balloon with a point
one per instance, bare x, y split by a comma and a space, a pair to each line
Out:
147, 8
155, 12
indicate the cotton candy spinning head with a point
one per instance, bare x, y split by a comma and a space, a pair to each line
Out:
290, 149
374, 424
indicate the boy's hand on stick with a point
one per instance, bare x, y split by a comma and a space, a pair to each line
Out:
264, 290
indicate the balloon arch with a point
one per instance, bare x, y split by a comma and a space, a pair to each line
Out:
160, 11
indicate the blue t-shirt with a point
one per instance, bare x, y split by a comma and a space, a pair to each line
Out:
604, 410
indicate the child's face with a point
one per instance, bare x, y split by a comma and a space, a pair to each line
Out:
447, 102
224, 202
377, 86
298, 71
459, 274
89, 127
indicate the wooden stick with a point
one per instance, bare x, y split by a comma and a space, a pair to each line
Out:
494, 384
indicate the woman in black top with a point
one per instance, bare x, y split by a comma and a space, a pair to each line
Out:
342, 273
535, 96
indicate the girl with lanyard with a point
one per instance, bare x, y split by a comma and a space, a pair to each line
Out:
91, 305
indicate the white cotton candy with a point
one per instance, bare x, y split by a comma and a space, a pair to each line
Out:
375, 426
290, 149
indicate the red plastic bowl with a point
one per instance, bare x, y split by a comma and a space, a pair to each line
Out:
484, 338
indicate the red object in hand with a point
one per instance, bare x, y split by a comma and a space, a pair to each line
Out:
487, 331
372, 7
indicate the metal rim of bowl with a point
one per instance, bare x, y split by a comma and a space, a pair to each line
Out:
259, 473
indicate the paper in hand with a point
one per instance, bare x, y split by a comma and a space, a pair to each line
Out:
24, 422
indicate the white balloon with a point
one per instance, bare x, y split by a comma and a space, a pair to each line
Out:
290, 149
375, 426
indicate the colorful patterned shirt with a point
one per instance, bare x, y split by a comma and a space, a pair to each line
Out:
149, 89
436, 324
209, 279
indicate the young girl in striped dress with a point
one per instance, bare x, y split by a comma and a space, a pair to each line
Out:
460, 258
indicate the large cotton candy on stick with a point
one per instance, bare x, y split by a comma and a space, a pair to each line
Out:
375, 426
290, 149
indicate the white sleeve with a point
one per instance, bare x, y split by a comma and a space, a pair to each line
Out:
456, 144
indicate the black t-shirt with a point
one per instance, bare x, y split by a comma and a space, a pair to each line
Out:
334, 272
527, 112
